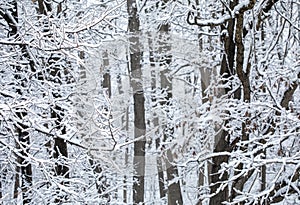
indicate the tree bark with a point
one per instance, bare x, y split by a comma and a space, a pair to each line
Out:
165, 58
23, 171
101, 182
138, 98
60, 148
174, 188
154, 72
125, 128
222, 143
106, 83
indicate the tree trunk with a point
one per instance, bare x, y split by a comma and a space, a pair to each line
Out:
244, 78
23, 175
25, 168
106, 83
154, 72
138, 98
60, 149
222, 143
220, 146
101, 182
125, 128
205, 82
174, 189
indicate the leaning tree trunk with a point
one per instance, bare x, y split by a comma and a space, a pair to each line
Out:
138, 98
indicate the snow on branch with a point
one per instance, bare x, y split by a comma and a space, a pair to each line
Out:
238, 9
95, 22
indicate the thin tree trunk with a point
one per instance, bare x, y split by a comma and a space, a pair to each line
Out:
205, 78
153, 63
17, 180
160, 171
96, 167
138, 98
203, 179
244, 78
165, 58
126, 120
106, 83
0, 185
221, 143
125, 128
263, 173
174, 188
101, 182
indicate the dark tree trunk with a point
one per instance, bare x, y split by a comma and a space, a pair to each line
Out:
106, 83
60, 149
222, 144
23, 171
25, 166
0, 185
138, 98
244, 78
